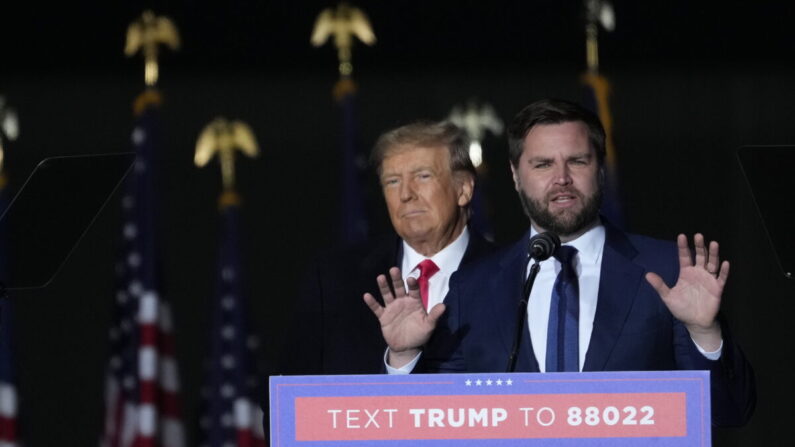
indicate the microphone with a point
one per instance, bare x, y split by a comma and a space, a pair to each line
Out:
543, 245
540, 247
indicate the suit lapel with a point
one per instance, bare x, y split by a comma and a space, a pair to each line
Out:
618, 285
507, 290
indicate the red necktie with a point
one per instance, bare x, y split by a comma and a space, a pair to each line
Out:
427, 269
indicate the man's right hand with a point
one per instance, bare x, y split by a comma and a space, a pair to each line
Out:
404, 323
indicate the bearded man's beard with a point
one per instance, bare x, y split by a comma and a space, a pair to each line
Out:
564, 223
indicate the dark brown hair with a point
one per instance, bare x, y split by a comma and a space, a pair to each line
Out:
554, 111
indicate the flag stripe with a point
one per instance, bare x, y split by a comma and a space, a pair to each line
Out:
142, 401
8, 428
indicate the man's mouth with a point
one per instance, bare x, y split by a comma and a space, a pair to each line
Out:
563, 199
413, 213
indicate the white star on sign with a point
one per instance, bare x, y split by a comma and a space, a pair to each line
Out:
488, 382
499, 382
478, 382
468, 382
509, 382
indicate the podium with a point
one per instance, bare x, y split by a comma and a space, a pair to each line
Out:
662, 408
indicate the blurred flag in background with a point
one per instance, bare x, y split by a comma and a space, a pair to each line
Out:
231, 415
8, 390
142, 384
9, 129
599, 13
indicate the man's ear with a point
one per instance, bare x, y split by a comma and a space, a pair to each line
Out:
465, 188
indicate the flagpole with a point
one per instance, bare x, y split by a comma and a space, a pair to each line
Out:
230, 414
142, 384
342, 24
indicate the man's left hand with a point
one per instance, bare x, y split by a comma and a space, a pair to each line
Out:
695, 298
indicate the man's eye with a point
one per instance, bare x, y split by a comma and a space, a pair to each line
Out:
541, 165
390, 182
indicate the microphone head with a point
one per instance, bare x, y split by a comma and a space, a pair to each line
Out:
543, 245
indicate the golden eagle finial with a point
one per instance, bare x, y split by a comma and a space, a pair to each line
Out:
146, 33
475, 119
343, 23
223, 137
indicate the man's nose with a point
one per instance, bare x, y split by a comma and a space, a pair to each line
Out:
562, 174
406, 191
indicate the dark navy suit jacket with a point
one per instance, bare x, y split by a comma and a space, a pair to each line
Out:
632, 331
333, 331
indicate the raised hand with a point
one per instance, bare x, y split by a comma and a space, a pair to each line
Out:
405, 324
695, 298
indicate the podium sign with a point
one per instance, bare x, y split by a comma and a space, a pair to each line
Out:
670, 408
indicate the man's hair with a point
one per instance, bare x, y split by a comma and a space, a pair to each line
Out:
425, 134
554, 111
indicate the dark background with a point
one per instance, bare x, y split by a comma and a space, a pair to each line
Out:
692, 83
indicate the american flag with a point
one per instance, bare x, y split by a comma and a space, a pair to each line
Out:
8, 390
142, 385
231, 415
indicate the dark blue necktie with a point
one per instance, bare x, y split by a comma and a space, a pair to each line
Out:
563, 332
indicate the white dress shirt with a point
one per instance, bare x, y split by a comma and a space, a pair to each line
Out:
448, 260
587, 264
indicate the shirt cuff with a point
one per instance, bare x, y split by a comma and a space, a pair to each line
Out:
711, 355
405, 369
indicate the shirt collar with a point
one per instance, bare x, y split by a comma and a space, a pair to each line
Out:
447, 259
589, 245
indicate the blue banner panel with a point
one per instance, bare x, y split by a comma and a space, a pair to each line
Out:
667, 408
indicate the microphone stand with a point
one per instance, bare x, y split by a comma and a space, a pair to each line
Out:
522, 313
